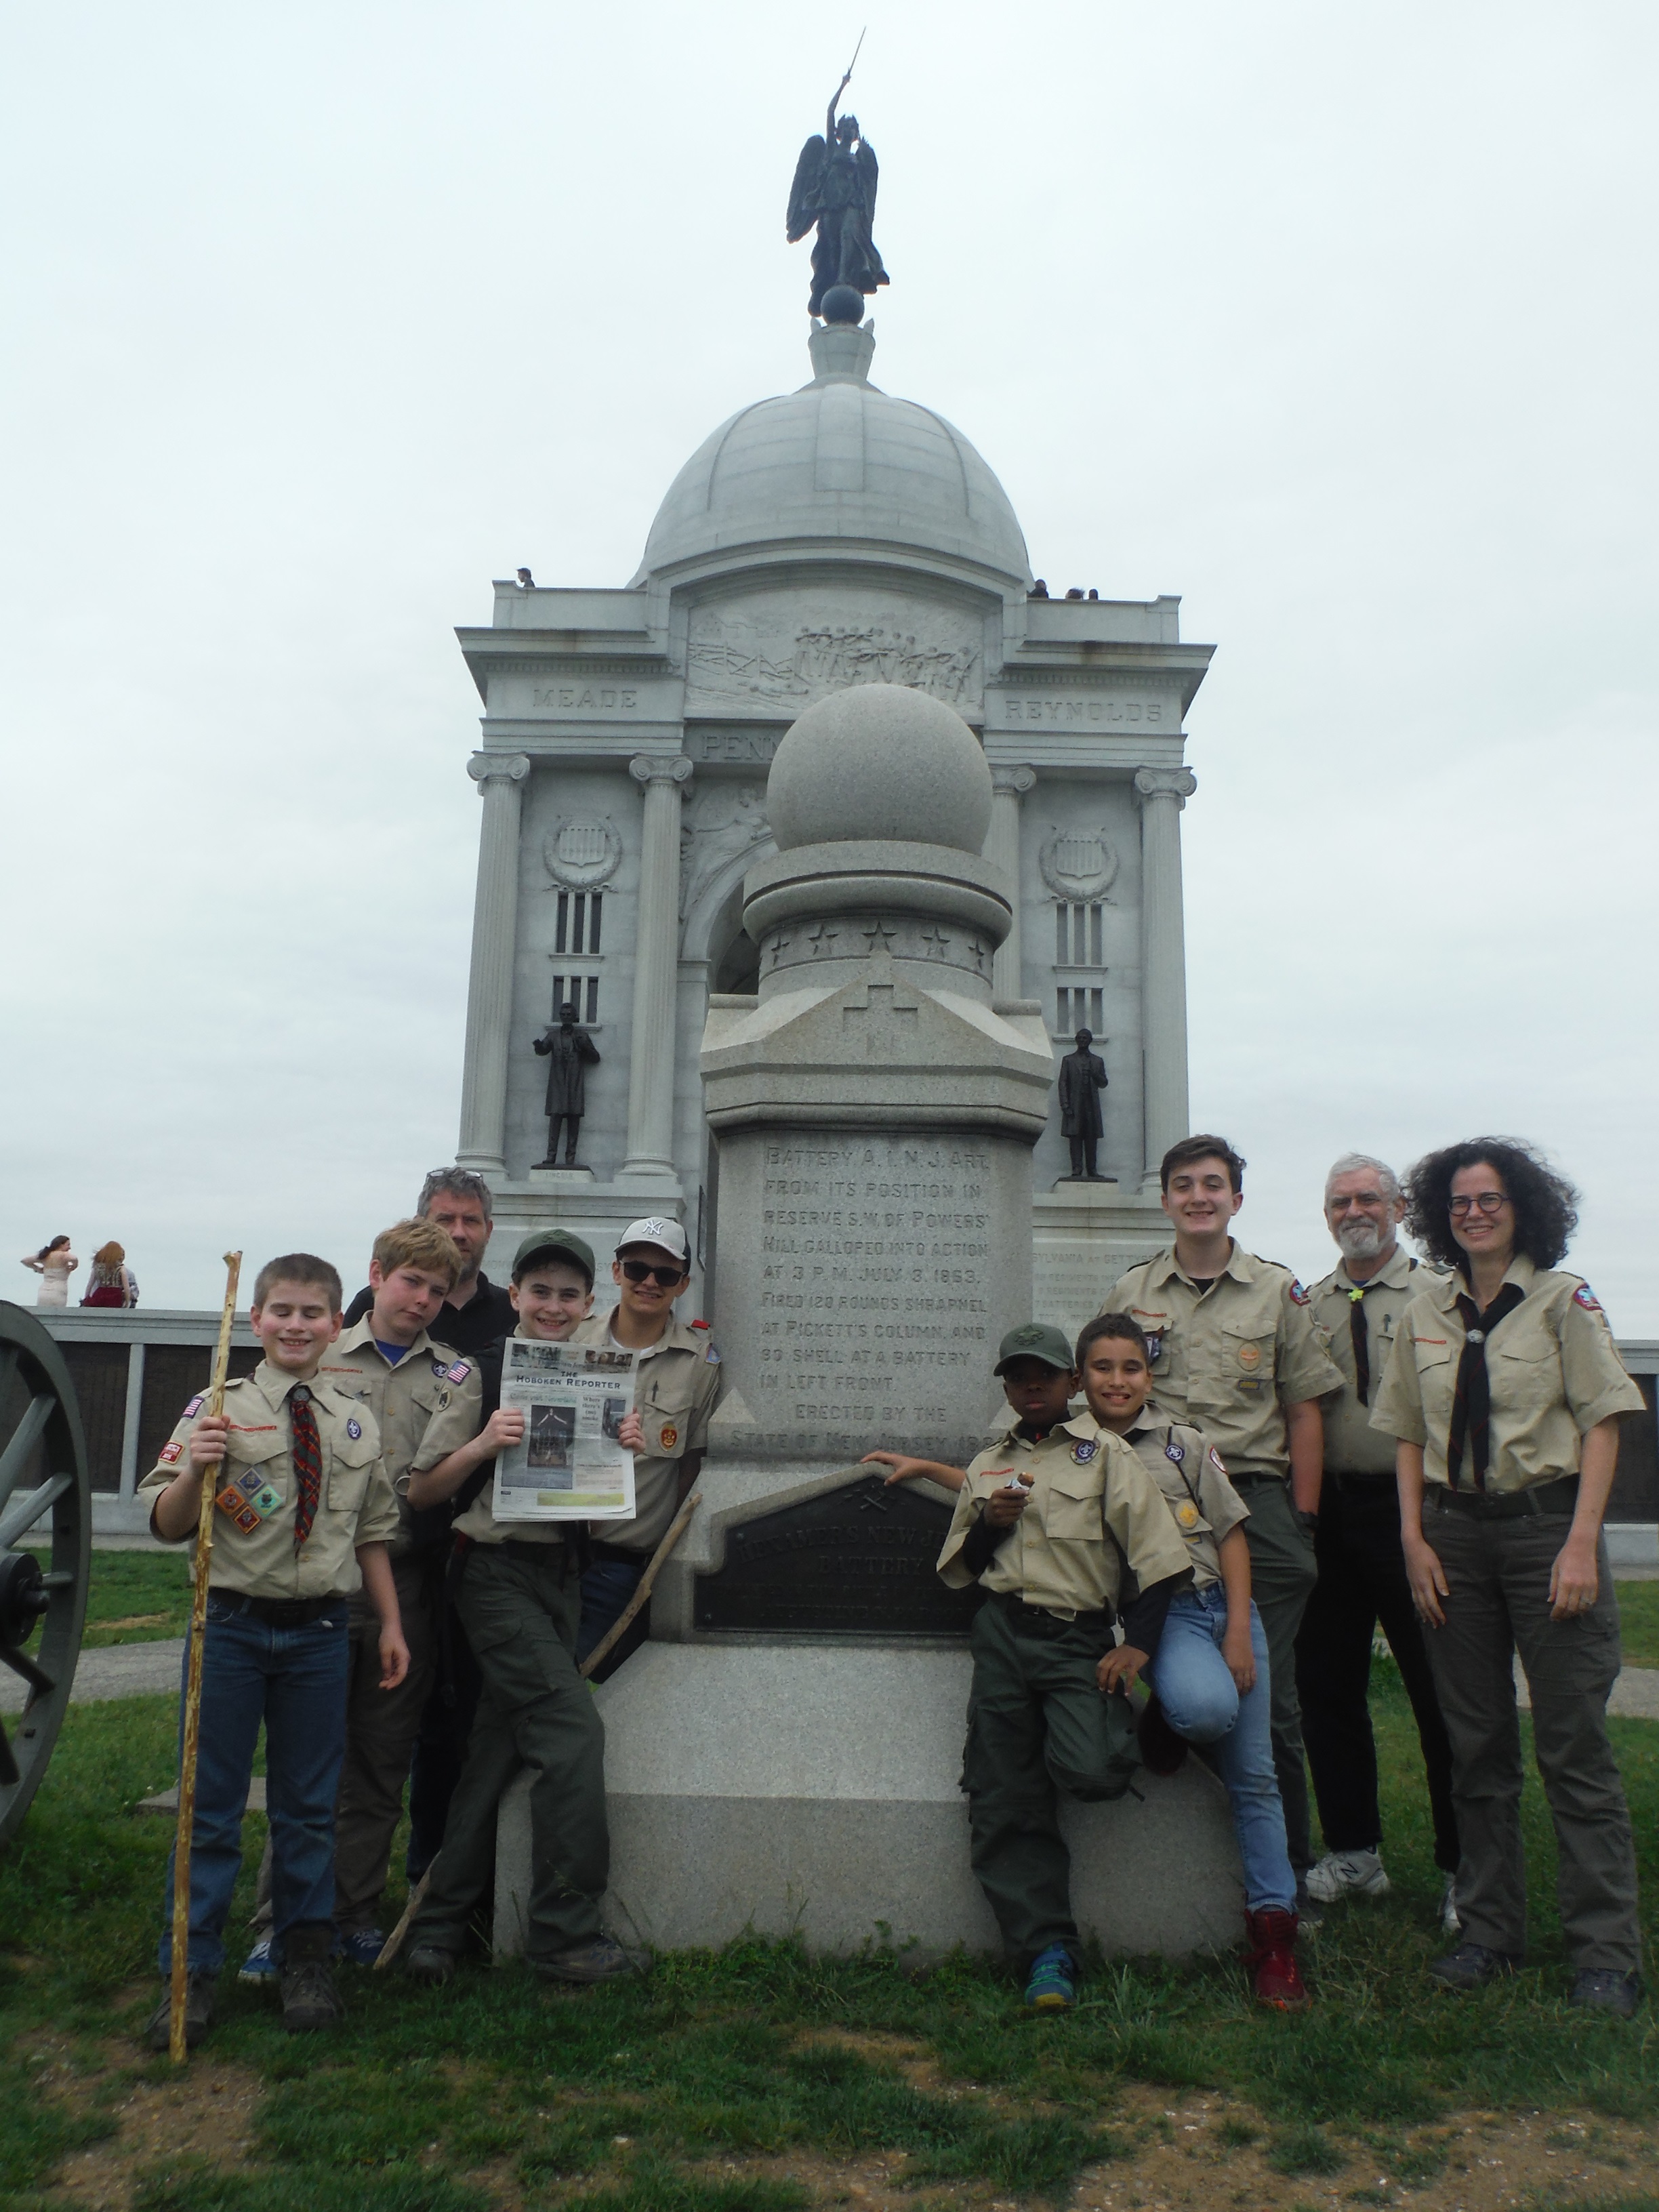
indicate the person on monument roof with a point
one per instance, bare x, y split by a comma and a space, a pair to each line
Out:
519, 1601
305, 1512
681, 1382
1234, 1350
408, 1380
1042, 1523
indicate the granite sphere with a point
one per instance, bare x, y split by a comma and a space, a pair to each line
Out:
879, 761
842, 304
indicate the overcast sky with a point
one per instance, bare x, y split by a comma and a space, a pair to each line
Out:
1338, 320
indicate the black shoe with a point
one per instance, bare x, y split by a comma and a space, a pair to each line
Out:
1162, 1751
603, 1959
309, 1997
427, 1963
199, 2012
1602, 1990
1310, 1913
1472, 1965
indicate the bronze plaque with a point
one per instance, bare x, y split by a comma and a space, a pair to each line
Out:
856, 1561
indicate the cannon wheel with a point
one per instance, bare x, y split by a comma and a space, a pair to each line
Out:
46, 1498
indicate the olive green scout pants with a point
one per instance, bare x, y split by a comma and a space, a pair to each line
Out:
1499, 1576
1283, 1572
520, 1606
1037, 1724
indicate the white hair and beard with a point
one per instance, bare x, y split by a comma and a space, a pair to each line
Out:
1363, 1239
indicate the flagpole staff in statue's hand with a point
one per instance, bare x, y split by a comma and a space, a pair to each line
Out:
207, 1450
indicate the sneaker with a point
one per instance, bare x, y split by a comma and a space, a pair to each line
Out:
427, 1963
1602, 1990
199, 2012
1162, 1751
1472, 1965
259, 1967
310, 1999
1274, 1974
1451, 1920
359, 1947
603, 1959
1051, 1985
1347, 1873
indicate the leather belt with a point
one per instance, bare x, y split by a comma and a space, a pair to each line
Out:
1039, 1617
285, 1612
1559, 1497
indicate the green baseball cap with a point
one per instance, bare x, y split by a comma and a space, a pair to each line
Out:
1035, 1339
554, 1244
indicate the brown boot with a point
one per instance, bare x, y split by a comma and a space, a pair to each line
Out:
1272, 1960
309, 1997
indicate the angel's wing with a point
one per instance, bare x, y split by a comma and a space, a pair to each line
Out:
869, 177
804, 193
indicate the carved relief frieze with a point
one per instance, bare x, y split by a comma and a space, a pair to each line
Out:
720, 823
581, 852
784, 649
1078, 865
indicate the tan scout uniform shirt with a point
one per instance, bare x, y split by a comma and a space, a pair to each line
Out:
404, 1400
1230, 1359
679, 1382
1195, 1488
1552, 1363
451, 1426
1057, 1555
355, 1504
1352, 1446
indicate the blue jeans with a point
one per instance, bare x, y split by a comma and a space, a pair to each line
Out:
1200, 1701
293, 1680
607, 1587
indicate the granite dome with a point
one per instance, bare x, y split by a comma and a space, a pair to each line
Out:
838, 459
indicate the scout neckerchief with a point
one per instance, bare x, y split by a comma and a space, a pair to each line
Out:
1472, 1395
1361, 1336
308, 1461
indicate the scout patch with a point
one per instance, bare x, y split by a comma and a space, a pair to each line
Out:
168, 1453
459, 1373
669, 1436
1250, 1385
1085, 1449
1215, 1460
711, 1357
353, 1429
1186, 1514
194, 1406
1250, 1355
1298, 1296
1583, 1295
1177, 1452
1154, 1345
439, 1368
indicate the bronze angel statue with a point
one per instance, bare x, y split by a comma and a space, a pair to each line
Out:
835, 187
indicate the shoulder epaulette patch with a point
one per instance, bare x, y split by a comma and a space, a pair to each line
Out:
1298, 1296
1583, 1295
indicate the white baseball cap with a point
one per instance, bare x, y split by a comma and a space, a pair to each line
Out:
657, 1229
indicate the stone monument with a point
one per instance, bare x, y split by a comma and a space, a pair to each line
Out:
784, 1754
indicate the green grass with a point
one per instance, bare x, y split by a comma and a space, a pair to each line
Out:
1638, 1623
147, 1592
632, 2096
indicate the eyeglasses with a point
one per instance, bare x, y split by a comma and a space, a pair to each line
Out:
1489, 1201
640, 1271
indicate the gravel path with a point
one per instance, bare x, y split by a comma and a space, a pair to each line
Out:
120, 1670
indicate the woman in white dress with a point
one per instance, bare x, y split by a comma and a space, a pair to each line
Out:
54, 1263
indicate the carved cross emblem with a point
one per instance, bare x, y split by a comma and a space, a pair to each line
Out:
822, 939
937, 942
879, 938
887, 1019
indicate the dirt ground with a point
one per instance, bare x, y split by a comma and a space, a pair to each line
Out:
1201, 2150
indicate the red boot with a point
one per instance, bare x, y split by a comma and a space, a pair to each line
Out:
1272, 1960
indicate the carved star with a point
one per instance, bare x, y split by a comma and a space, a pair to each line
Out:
822, 939
978, 952
777, 945
879, 931
938, 943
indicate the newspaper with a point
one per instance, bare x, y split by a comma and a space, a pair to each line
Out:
569, 1466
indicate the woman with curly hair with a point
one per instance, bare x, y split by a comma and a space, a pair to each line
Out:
1503, 1395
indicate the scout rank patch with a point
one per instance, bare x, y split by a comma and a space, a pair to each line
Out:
248, 1499
353, 1429
1186, 1514
1250, 1355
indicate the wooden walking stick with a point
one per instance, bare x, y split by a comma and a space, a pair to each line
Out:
676, 1530
198, 1598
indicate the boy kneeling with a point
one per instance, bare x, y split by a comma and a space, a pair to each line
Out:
1041, 1523
296, 1467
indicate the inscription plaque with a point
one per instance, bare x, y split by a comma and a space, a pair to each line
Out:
856, 1561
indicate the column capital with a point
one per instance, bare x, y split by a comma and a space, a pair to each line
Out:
1013, 781
655, 768
1176, 783
483, 768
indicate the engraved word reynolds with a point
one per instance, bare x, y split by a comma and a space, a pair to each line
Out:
1091, 713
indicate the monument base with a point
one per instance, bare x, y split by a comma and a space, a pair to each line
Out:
811, 1790
1084, 1237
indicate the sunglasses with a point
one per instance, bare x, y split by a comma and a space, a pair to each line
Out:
640, 1271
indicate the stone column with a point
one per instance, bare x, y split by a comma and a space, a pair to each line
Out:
1163, 792
1008, 787
500, 777
656, 968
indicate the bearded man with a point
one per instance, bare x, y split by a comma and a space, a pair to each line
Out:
1362, 1569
